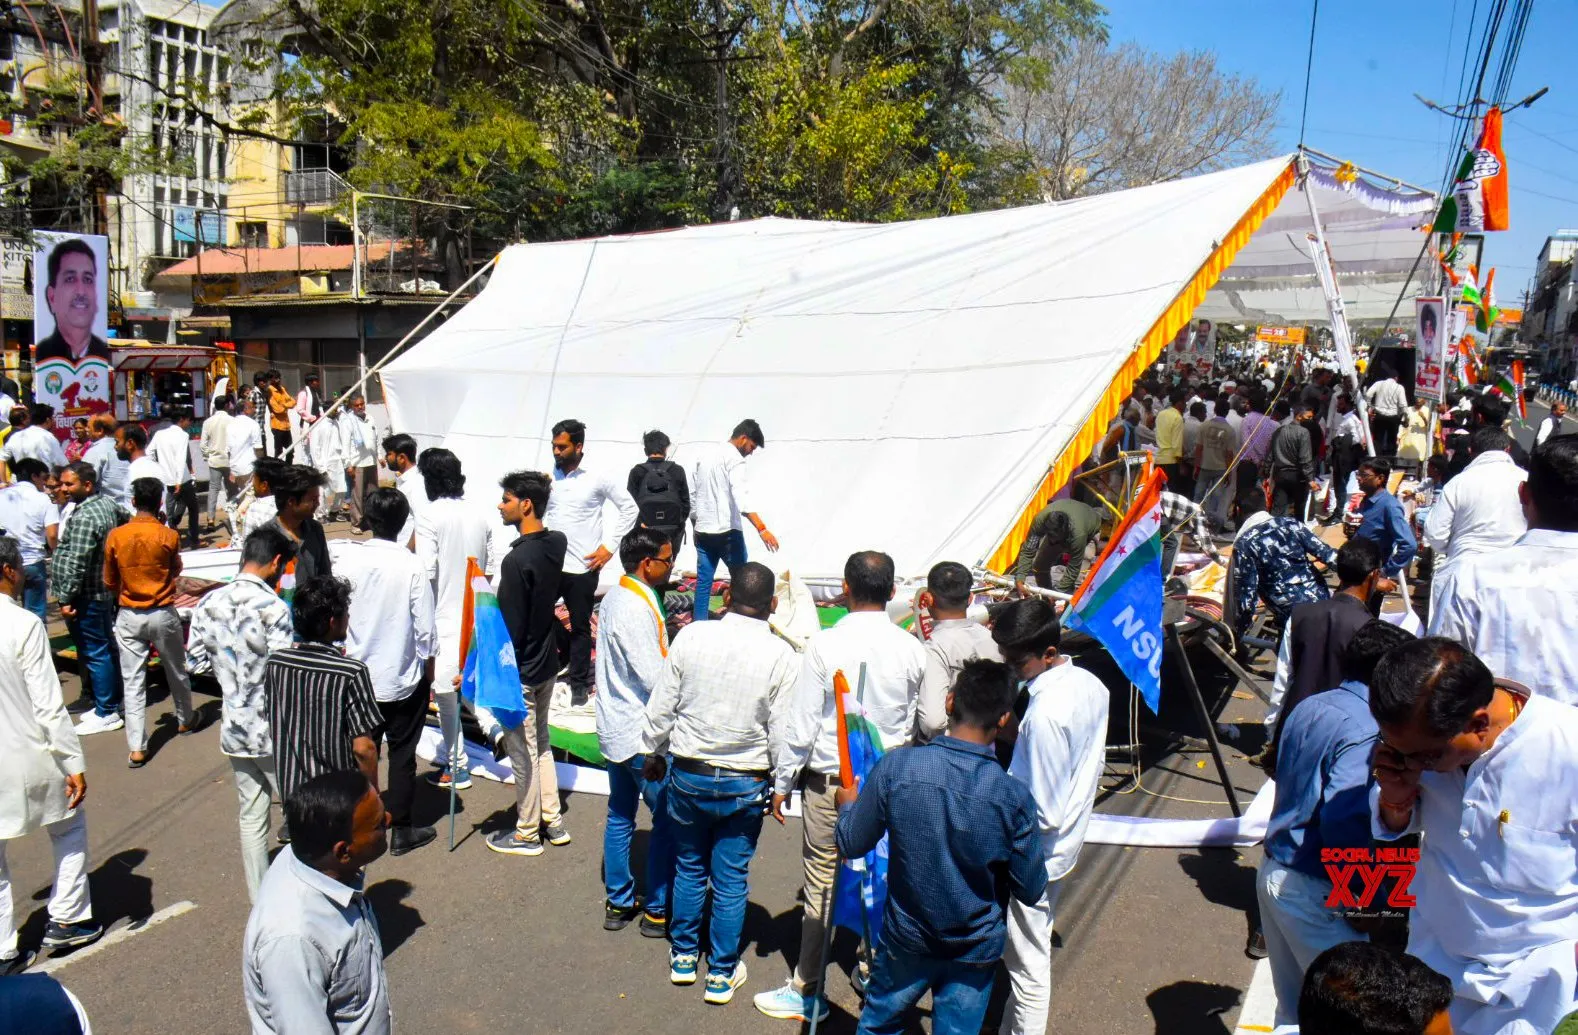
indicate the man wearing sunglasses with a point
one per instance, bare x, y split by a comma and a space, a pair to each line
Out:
1487, 772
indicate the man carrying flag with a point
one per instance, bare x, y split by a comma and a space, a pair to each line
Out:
963, 838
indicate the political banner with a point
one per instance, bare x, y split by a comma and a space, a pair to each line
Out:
1429, 352
71, 356
1193, 349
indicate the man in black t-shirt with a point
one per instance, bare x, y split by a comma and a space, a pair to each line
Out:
660, 489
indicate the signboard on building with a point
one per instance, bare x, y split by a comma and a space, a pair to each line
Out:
196, 226
71, 360
1280, 335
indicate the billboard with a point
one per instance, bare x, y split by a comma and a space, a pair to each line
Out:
1431, 328
1280, 335
71, 359
1193, 351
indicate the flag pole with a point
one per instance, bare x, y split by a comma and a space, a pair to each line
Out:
828, 898
452, 781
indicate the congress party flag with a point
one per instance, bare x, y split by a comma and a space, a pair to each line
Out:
1120, 601
489, 677
862, 883
1479, 196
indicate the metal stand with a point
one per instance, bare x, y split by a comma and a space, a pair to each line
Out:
1201, 712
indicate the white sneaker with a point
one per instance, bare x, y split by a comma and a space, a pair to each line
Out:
93, 722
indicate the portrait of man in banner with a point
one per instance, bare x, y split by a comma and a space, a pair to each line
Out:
73, 306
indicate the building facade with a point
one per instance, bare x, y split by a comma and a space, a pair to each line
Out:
1550, 322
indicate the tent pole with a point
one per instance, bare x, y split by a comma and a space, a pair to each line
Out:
351, 393
1339, 319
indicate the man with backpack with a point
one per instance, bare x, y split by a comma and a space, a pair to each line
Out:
661, 492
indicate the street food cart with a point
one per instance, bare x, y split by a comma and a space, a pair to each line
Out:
149, 376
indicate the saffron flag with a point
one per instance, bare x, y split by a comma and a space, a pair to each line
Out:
862, 883
1479, 196
489, 677
1120, 601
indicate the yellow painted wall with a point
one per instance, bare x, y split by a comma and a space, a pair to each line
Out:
257, 188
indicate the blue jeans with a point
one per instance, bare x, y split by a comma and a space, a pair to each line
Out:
98, 655
626, 790
715, 821
959, 993
712, 547
35, 589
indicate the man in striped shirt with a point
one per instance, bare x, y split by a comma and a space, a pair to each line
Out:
323, 716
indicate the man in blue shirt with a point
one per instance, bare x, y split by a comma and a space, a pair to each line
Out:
1323, 801
1382, 521
958, 827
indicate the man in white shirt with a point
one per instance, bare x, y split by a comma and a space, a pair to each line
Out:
216, 454
400, 457
895, 666
450, 532
131, 447
719, 498
1059, 755
101, 456
954, 640
41, 774
1517, 608
1479, 511
1552, 424
325, 450
632, 647
361, 455
576, 509
171, 448
1388, 401
243, 446
1484, 772
393, 634
32, 519
720, 712
36, 439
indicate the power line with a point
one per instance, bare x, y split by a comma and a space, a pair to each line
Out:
1309, 67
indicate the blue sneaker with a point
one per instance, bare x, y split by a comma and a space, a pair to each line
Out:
682, 968
71, 936
785, 1004
720, 987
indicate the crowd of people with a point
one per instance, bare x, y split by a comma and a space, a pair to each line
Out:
1460, 743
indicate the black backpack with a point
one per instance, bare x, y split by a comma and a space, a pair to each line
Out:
658, 493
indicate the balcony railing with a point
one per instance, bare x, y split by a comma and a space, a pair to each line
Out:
315, 187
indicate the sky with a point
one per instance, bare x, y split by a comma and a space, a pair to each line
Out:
1371, 57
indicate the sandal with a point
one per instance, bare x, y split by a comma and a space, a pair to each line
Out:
133, 762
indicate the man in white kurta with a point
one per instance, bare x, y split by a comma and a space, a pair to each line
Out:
449, 532
1479, 510
41, 772
1496, 803
1517, 608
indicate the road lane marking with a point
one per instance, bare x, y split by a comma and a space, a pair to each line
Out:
1259, 1012
115, 937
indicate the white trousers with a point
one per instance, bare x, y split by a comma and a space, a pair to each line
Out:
255, 787
1028, 956
69, 903
135, 631
1298, 927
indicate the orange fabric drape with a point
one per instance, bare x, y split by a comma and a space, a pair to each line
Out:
1144, 354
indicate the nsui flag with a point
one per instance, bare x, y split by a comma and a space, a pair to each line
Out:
1120, 602
488, 675
863, 883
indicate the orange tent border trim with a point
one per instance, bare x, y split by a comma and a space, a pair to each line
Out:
1150, 346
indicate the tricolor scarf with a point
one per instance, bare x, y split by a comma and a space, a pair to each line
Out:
650, 597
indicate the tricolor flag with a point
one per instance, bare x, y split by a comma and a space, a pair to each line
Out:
489, 677
1510, 386
862, 883
1479, 196
1485, 312
1120, 601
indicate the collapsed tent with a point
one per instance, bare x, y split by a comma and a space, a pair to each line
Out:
924, 387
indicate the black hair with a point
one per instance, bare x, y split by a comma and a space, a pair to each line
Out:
401, 445
1369, 645
1437, 462
260, 377
751, 589
1197, 411
40, 413
317, 603
386, 511
1356, 559
1489, 439
1281, 410
134, 434
294, 482
869, 574
1377, 465
1490, 409
640, 544
1223, 405
224, 402
147, 494
310, 377
27, 468
268, 469
654, 442
530, 486
1434, 680
1553, 483
1344, 397
950, 583
983, 693
1359, 988
748, 428
18, 417
265, 544
85, 472
1030, 626
70, 246
574, 428
322, 812
441, 474
10, 554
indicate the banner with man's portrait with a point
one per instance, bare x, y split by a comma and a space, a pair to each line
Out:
71, 354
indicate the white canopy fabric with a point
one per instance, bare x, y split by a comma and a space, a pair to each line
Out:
1374, 239
914, 380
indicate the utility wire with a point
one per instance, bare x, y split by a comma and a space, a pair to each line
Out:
1309, 67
